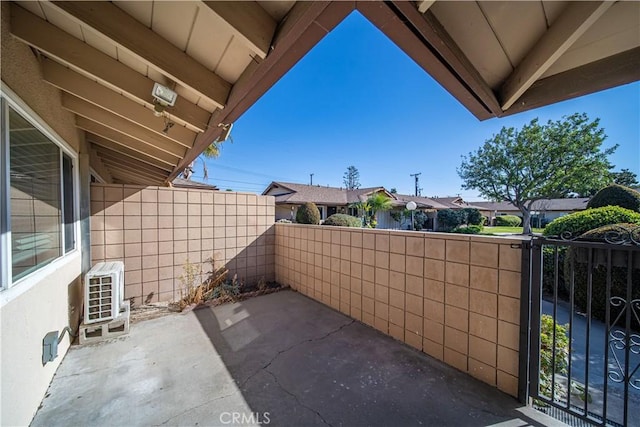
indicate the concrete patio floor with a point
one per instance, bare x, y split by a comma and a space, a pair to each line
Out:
279, 359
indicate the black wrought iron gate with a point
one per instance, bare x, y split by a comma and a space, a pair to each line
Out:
583, 312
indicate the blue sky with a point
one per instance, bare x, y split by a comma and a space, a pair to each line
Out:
357, 99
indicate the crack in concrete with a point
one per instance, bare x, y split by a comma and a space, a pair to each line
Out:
196, 407
294, 346
297, 399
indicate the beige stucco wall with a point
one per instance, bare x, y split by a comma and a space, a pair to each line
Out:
31, 309
456, 298
155, 230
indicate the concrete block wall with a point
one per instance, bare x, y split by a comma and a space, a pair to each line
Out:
454, 297
155, 230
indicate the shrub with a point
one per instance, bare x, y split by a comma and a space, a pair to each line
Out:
472, 216
308, 214
616, 195
508, 221
547, 367
549, 269
619, 270
467, 229
449, 219
284, 221
342, 220
577, 223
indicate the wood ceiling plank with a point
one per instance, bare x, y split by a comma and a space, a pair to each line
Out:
439, 40
97, 114
254, 25
115, 164
124, 30
305, 25
131, 159
384, 16
131, 163
125, 140
616, 70
127, 177
70, 51
574, 21
71, 82
128, 151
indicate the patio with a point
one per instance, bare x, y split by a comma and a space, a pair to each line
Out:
280, 359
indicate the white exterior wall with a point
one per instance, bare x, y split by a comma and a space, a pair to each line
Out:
28, 311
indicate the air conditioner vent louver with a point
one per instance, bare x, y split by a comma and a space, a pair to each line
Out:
104, 291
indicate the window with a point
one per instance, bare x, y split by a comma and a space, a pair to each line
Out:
40, 207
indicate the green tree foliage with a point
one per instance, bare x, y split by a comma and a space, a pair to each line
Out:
308, 214
211, 152
342, 220
377, 202
449, 219
539, 161
577, 223
625, 177
616, 195
351, 178
508, 221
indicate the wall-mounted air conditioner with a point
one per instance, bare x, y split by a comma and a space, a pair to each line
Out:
104, 292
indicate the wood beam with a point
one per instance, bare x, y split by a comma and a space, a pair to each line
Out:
622, 68
55, 43
568, 27
437, 40
390, 18
125, 150
424, 5
110, 120
305, 25
133, 36
119, 138
115, 164
254, 25
129, 178
103, 97
106, 152
132, 164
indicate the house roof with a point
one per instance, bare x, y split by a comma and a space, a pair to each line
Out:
187, 183
566, 204
495, 58
301, 193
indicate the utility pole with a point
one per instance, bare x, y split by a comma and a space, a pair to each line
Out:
416, 176
311, 176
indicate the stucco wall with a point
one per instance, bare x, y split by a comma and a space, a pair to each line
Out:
456, 298
31, 309
155, 230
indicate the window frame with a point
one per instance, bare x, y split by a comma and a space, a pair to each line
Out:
8, 99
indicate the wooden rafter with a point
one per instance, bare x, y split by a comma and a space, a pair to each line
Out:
253, 24
568, 27
110, 120
74, 53
305, 25
126, 32
101, 96
127, 150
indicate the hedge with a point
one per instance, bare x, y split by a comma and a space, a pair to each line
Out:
467, 229
308, 214
619, 270
508, 221
577, 223
616, 195
342, 220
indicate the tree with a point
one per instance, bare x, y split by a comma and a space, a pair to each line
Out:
351, 178
625, 177
393, 191
540, 161
376, 203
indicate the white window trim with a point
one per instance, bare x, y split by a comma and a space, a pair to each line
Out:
8, 288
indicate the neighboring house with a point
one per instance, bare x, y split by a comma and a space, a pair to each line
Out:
545, 210
196, 185
329, 200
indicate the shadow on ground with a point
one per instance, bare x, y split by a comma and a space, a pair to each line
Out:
279, 359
